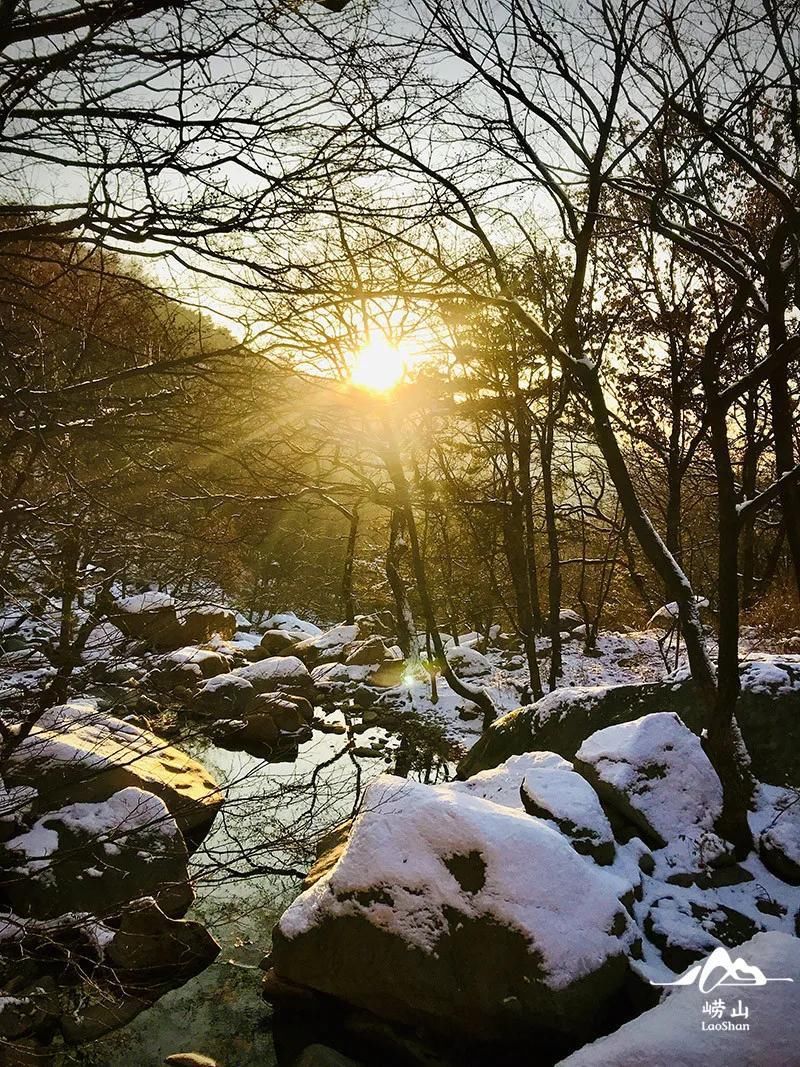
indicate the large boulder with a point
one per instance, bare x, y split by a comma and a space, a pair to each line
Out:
777, 825
372, 650
281, 642
562, 720
286, 674
150, 617
145, 957
565, 799
159, 620
467, 662
448, 910
201, 622
224, 697
655, 774
768, 712
331, 646
76, 754
188, 666
77, 978
681, 1030
95, 857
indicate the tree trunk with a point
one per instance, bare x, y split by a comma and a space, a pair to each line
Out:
554, 582
781, 403
724, 748
518, 565
347, 574
723, 741
404, 616
394, 467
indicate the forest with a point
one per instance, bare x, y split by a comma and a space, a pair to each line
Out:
399, 533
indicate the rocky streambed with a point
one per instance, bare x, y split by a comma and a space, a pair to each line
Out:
269, 816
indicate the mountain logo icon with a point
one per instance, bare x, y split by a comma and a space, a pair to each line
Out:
721, 970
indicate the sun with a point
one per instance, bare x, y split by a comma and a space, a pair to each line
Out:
378, 366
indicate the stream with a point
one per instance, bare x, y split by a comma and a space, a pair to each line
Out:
273, 814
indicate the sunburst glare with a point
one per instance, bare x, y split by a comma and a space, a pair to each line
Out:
379, 365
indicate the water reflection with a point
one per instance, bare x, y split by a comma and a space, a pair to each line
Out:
247, 872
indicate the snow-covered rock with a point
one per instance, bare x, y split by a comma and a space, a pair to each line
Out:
467, 662
448, 909
370, 651
162, 622
560, 796
200, 621
280, 642
142, 603
685, 929
502, 785
224, 697
568, 620
150, 617
654, 772
679, 1031
778, 828
190, 664
656, 766
103, 643
83, 755
330, 646
277, 673
289, 621
96, 856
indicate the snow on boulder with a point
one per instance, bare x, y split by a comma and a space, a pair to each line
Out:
224, 697
654, 772
281, 642
447, 910
771, 675
142, 603
568, 620
502, 784
103, 643
89, 857
368, 652
277, 672
150, 617
328, 647
678, 1031
158, 619
289, 621
192, 664
200, 622
685, 930
560, 796
75, 753
467, 662
776, 822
